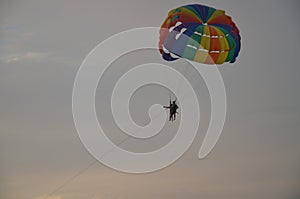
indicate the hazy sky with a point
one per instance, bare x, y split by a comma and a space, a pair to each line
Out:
42, 44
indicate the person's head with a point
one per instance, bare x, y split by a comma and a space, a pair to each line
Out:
174, 102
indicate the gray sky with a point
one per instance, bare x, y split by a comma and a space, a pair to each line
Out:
42, 44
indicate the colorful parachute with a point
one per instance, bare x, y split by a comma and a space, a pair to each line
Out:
199, 33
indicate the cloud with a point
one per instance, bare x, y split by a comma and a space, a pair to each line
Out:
51, 197
28, 56
8, 27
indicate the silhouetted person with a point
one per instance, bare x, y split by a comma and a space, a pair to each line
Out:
173, 110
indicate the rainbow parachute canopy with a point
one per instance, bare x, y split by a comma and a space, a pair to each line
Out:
199, 33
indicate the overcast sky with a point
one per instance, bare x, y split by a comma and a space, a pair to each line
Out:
42, 44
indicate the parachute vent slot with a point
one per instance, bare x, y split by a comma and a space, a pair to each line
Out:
211, 36
205, 50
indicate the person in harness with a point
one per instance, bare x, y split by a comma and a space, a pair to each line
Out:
173, 110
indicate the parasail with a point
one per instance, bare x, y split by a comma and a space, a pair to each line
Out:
199, 33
